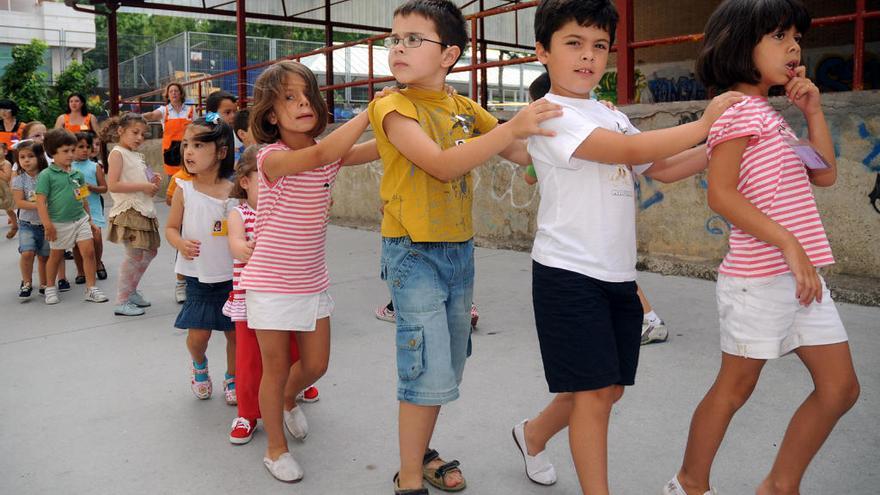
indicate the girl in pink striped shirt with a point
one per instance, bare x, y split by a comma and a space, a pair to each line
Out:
286, 276
771, 300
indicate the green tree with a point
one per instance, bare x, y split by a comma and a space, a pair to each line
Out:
24, 83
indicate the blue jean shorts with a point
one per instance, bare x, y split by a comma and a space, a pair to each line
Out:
432, 286
32, 237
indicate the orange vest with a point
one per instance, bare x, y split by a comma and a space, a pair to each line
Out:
74, 128
9, 137
173, 130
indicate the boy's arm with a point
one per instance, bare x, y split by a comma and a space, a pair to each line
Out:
333, 147
43, 212
727, 201
517, 152
361, 153
680, 166
408, 137
606, 146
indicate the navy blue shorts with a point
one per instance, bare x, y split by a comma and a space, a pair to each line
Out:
203, 309
589, 330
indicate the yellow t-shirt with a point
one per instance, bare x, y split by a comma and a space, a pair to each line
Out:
416, 204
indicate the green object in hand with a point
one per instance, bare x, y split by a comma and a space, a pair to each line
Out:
531, 171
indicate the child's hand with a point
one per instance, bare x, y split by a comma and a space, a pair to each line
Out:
802, 92
50, 233
450, 90
608, 105
809, 286
189, 248
525, 122
96, 232
387, 90
156, 179
718, 105
151, 189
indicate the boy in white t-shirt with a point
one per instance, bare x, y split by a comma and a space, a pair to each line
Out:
587, 311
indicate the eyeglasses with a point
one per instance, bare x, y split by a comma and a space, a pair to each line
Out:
409, 41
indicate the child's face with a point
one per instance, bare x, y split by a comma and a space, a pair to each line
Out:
227, 111
575, 59
292, 111
82, 150
28, 160
251, 184
37, 133
199, 157
777, 56
63, 156
423, 65
96, 147
133, 135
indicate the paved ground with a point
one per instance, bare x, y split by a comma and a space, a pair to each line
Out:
96, 403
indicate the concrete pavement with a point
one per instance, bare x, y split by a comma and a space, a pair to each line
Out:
96, 403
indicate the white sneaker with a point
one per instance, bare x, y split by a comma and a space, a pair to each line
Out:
673, 487
285, 468
295, 421
180, 291
538, 468
52, 295
654, 332
94, 294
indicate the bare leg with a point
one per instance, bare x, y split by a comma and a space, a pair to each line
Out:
230, 352
415, 428
553, 419
78, 261
26, 266
87, 249
275, 352
314, 357
42, 261
588, 437
197, 344
646, 306
56, 260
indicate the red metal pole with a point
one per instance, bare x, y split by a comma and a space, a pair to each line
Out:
474, 94
241, 35
625, 53
484, 79
859, 47
328, 41
113, 57
370, 90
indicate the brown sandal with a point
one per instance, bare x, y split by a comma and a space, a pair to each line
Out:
437, 477
407, 491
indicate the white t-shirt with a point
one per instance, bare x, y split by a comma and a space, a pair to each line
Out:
204, 219
174, 114
587, 214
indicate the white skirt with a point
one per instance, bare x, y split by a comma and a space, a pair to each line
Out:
290, 312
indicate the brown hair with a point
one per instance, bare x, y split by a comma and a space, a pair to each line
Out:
268, 89
180, 87
247, 163
25, 131
36, 149
57, 138
109, 132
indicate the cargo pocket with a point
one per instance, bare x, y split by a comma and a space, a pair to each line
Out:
410, 351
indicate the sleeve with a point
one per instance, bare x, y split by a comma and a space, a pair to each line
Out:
379, 109
483, 120
740, 120
16, 183
261, 157
162, 109
43, 185
172, 186
572, 128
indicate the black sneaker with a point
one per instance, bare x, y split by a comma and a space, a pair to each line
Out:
68, 255
43, 291
63, 285
79, 280
24, 291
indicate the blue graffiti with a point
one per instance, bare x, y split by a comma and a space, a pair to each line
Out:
836, 74
865, 134
684, 89
717, 225
651, 200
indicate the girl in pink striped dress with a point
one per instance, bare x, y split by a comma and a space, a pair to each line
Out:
771, 300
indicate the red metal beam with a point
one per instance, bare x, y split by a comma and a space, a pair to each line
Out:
625, 52
113, 57
241, 38
328, 73
859, 47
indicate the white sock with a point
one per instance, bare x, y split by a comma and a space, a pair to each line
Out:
652, 317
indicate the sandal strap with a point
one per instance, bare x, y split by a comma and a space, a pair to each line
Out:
407, 491
445, 469
430, 455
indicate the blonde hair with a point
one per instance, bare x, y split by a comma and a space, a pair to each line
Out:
247, 164
269, 88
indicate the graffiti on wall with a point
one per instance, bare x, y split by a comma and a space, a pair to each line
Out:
835, 72
683, 88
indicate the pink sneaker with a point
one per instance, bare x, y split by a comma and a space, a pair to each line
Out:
475, 316
385, 314
231, 398
202, 390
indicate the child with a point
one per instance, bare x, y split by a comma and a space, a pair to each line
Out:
286, 277
62, 203
587, 310
197, 228
32, 242
771, 300
224, 104
132, 218
97, 185
248, 365
7, 202
241, 126
424, 138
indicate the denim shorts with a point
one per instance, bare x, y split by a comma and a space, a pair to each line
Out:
432, 286
32, 237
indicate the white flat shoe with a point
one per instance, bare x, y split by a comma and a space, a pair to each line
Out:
285, 468
538, 468
673, 487
295, 421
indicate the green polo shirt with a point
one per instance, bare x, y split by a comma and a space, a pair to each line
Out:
60, 187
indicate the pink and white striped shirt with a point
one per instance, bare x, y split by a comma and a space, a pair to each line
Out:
291, 230
236, 307
774, 179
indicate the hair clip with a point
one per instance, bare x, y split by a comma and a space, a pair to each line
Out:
212, 117
23, 142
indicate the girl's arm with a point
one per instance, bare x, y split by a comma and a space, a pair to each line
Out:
101, 188
5, 171
331, 148
805, 95
59, 122
361, 153
680, 166
239, 246
20, 202
114, 173
187, 248
727, 201
606, 146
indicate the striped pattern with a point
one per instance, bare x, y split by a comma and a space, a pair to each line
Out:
291, 231
236, 308
775, 180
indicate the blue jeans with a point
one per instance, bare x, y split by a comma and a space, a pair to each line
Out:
431, 285
32, 237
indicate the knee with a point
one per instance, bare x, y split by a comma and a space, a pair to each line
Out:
733, 398
28, 256
602, 398
841, 397
314, 368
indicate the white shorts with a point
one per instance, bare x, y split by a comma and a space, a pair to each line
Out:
67, 234
761, 318
292, 312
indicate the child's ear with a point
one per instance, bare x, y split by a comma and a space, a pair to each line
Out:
240, 134
272, 118
542, 53
450, 56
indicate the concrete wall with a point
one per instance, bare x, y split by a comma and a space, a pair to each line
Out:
675, 224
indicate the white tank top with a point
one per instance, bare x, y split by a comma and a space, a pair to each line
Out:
204, 219
134, 171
